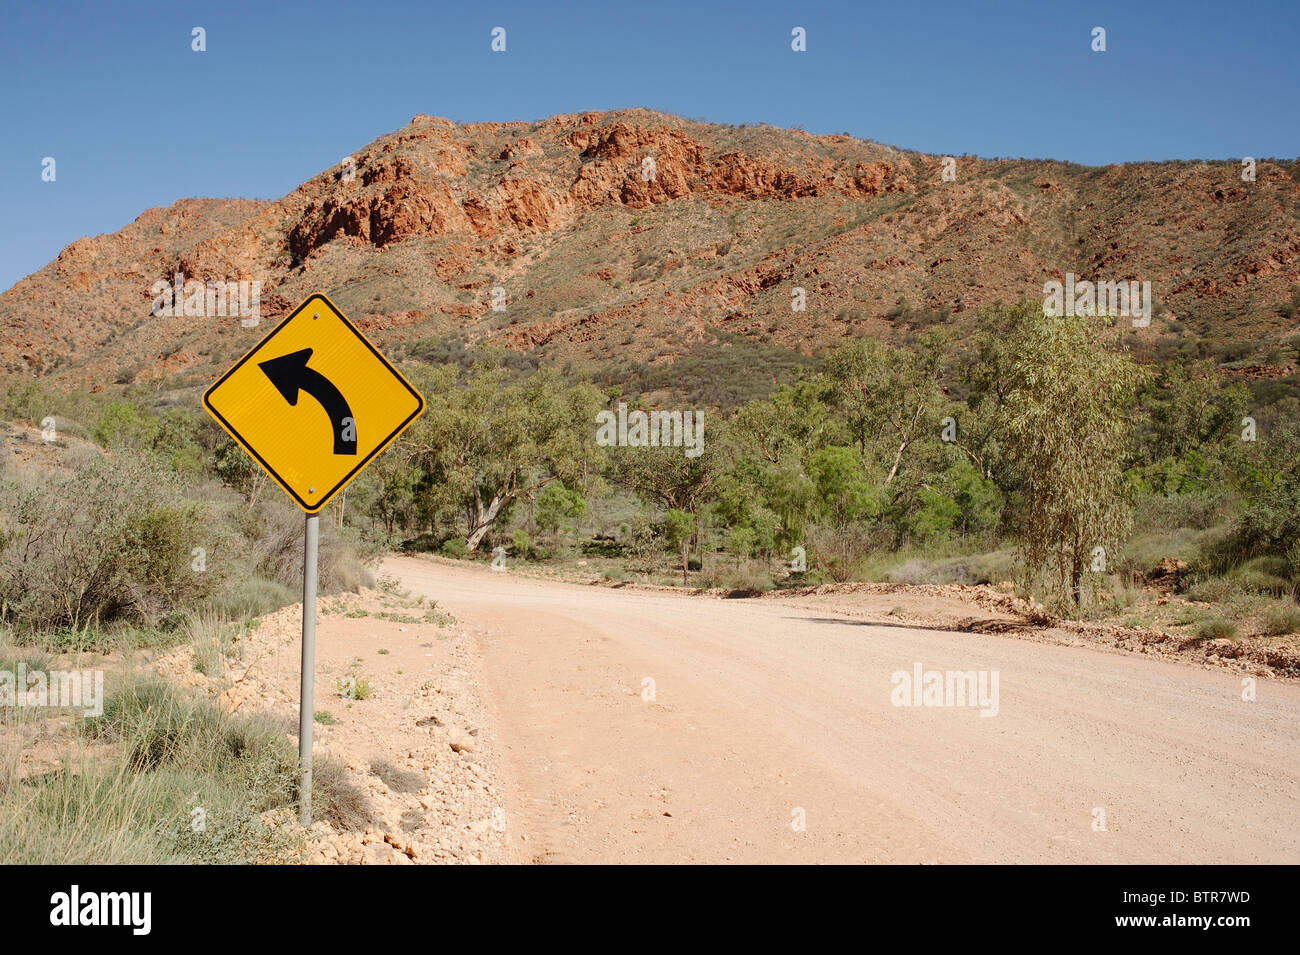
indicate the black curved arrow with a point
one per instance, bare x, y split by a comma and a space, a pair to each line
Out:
290, 374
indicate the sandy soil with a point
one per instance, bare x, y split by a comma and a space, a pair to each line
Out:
764, 712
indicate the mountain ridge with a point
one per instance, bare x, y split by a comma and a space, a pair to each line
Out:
601, 257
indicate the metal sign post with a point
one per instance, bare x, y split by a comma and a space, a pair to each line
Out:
358, 404
306, 713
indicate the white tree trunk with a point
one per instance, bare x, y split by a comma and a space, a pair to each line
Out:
482, 519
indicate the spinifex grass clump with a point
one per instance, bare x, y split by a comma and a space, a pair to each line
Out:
176, 780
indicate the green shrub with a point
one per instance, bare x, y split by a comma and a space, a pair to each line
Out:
1270, 524
1264, 575
522, 546
556, 504
114, 539
125, 424
252, 596
601, 547
935, 517
1209, 588
748, 577
169, 436
26, 399
454, 547
1279, 621
1216, 629
354, 687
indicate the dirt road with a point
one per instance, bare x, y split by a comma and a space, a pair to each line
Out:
765, 713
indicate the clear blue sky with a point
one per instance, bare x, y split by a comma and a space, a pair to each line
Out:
134, 118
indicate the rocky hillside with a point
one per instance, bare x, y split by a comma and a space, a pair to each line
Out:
602, 262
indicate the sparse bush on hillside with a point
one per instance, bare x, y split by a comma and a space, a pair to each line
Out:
118, 540
168, 435
277, 549
112, 539
717, 375
233, 466
26, 400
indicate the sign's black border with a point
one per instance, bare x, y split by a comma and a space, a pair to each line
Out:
249, 448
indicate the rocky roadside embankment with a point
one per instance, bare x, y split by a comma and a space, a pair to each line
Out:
397, 707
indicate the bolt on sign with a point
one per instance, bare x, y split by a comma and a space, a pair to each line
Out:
313, 403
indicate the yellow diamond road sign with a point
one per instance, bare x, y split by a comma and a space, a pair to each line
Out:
313, 402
